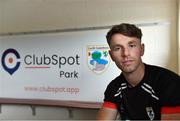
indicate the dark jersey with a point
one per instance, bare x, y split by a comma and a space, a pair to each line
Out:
158, 88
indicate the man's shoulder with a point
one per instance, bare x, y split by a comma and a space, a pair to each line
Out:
117, 81
160, 71
155, 67
114, 86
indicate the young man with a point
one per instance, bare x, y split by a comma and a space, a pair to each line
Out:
142, 91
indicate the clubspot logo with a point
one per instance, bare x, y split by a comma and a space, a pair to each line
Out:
10, 60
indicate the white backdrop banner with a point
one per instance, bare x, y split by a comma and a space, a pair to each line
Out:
61, 66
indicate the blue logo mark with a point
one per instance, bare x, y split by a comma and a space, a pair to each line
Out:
10, 61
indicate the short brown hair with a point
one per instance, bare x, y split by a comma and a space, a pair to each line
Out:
126, 29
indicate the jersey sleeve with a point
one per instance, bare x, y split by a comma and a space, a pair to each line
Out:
109, 99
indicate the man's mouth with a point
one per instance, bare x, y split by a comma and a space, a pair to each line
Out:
127, 62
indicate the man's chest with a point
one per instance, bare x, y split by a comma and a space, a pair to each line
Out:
140, 102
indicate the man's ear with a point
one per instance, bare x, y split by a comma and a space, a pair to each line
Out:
142, 49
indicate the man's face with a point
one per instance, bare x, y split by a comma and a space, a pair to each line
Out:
126, 52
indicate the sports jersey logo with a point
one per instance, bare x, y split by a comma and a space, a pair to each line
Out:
10, 60
98, 58
150, 112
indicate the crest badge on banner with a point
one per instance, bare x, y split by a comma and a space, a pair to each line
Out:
98, 58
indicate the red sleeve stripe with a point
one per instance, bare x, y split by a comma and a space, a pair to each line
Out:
109, 105
170, 110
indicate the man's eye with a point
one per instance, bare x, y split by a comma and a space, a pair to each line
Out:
132, 45
116, 48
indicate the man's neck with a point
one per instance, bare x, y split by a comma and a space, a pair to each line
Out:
135, 77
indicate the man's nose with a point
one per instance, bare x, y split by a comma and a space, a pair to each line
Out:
126, 52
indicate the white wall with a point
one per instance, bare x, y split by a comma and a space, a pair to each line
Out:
31, 15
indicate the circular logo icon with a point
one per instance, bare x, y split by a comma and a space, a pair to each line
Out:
10, 60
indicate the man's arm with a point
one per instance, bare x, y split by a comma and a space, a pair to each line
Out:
106, 113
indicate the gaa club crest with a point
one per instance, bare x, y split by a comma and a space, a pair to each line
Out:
98, 58
150, 113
